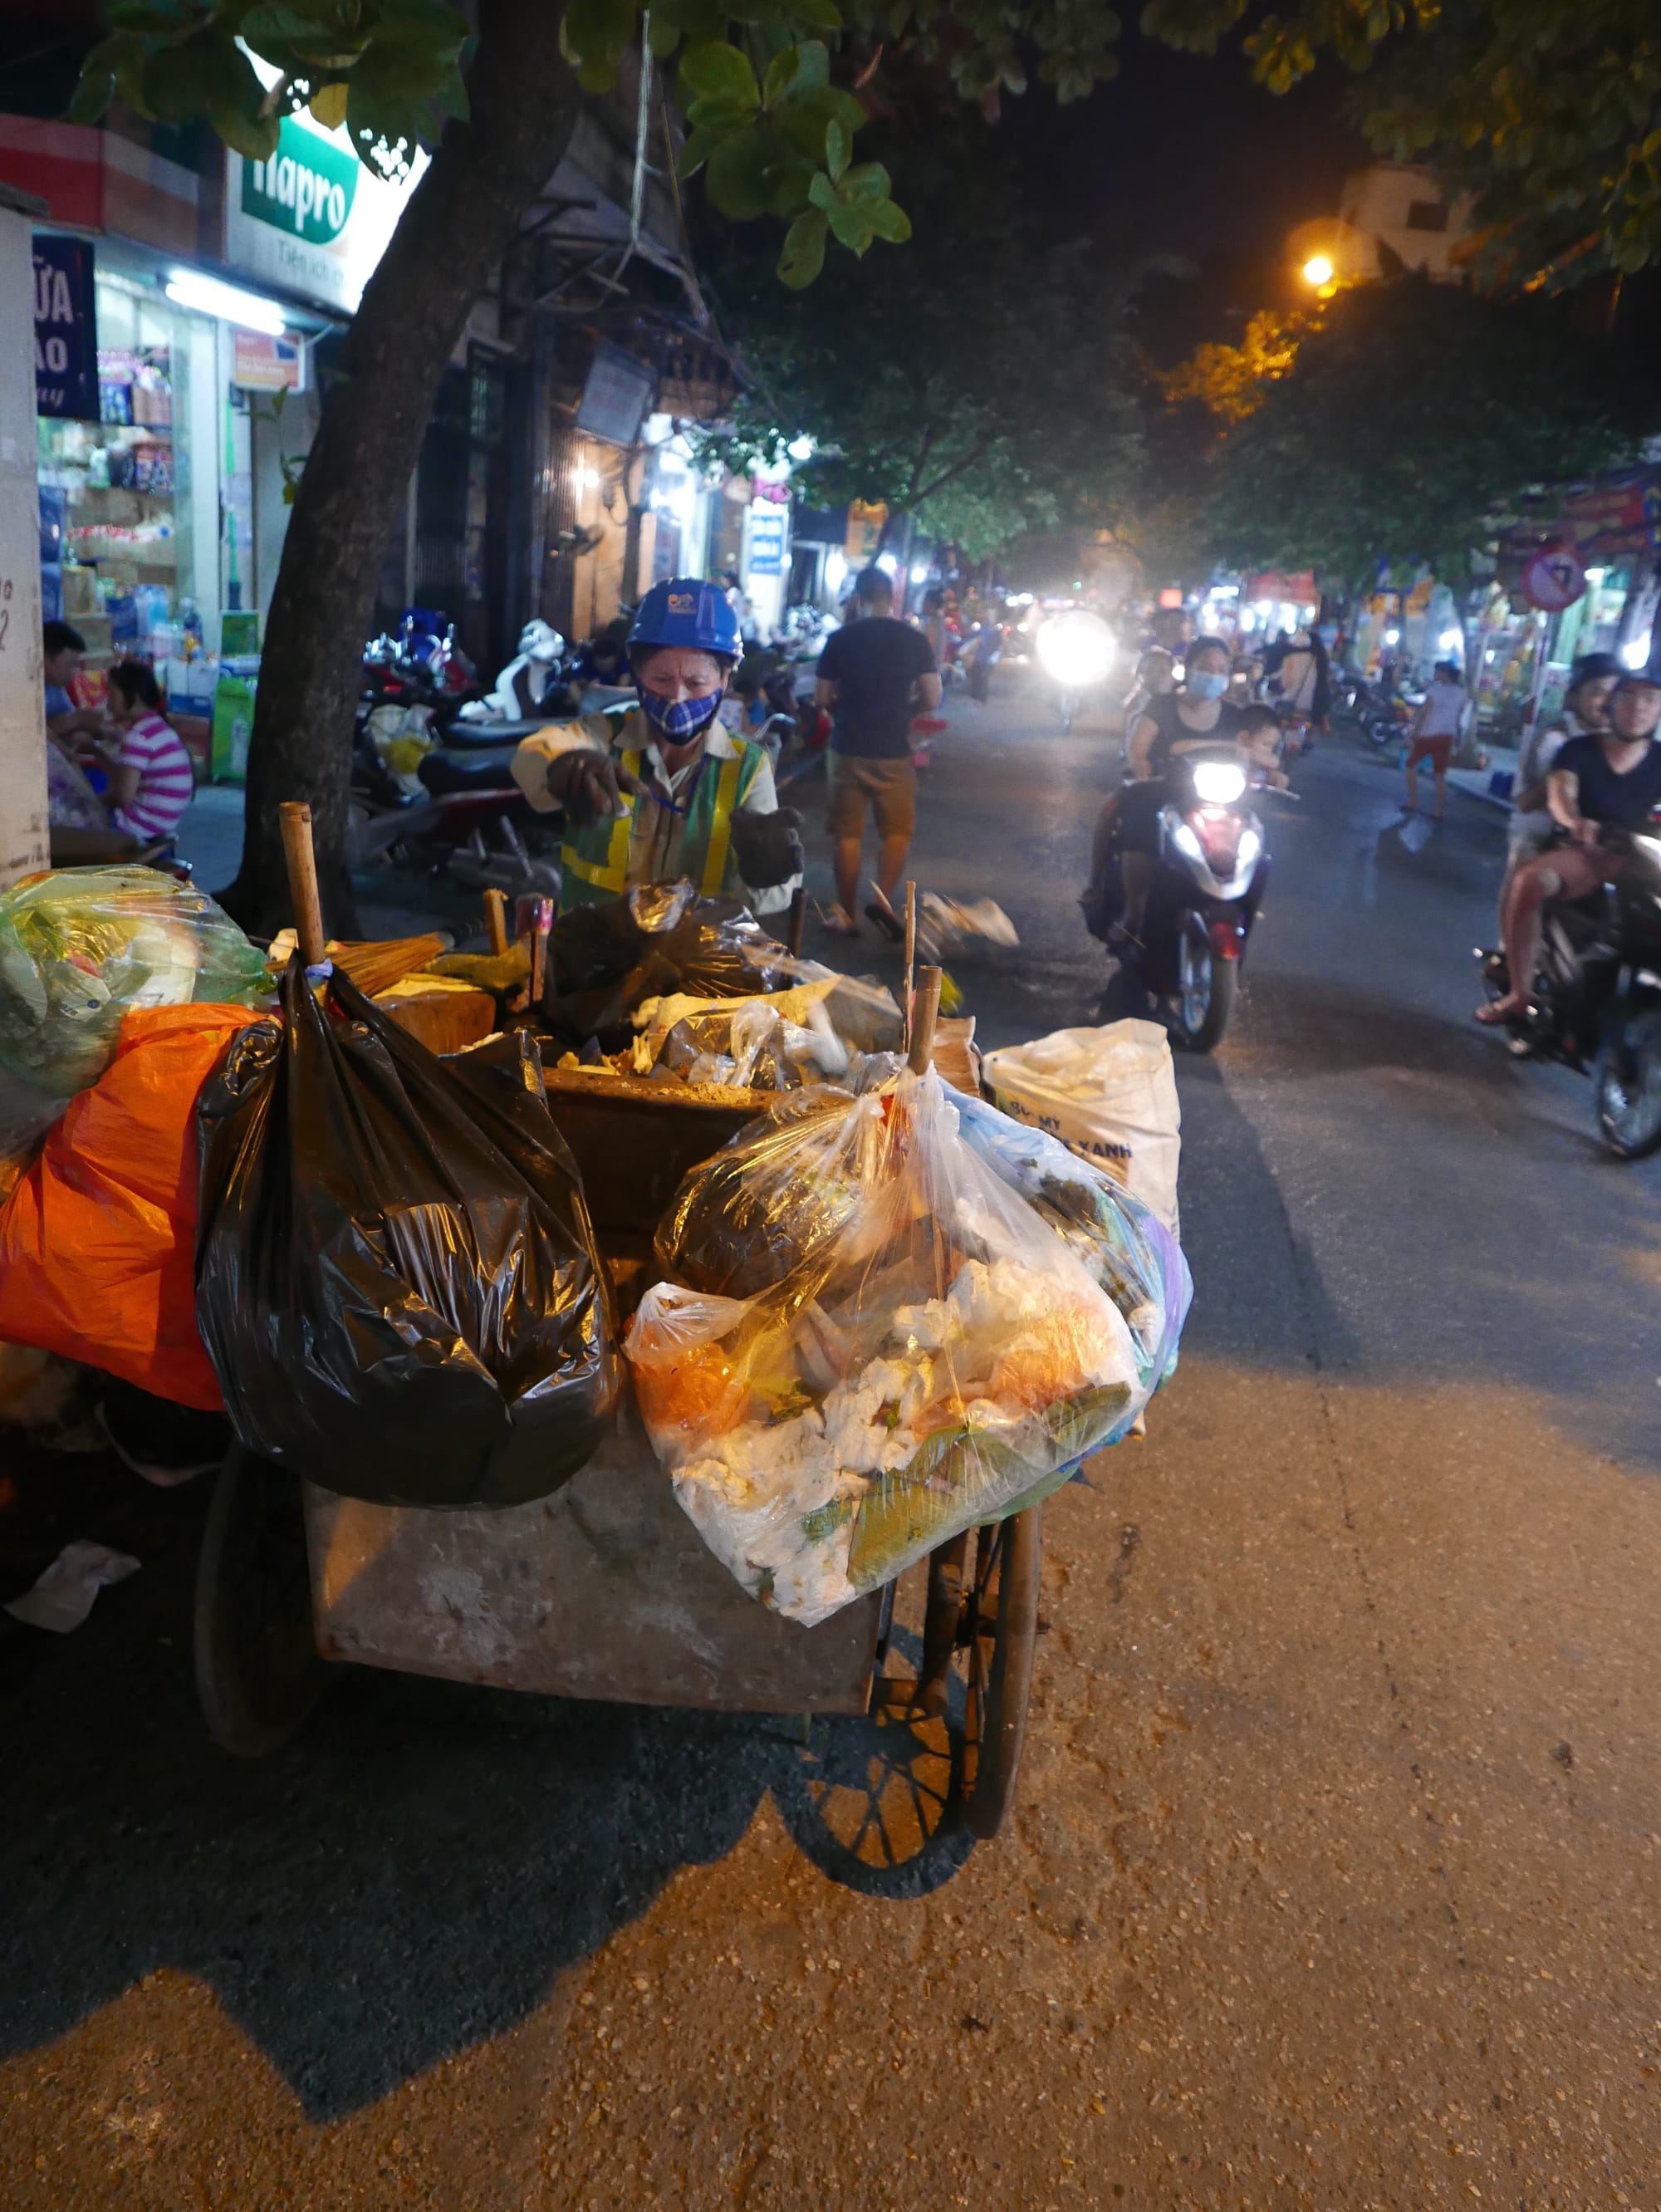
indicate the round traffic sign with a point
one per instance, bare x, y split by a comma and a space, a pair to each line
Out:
1553, 577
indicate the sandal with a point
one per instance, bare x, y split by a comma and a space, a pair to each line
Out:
1494, 1015
880, 912
838, 921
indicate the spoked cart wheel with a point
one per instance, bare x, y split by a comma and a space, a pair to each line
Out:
258, 1672
980, 1626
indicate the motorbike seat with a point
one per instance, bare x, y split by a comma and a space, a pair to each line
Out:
443, 776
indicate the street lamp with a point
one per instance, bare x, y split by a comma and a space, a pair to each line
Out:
1318, 271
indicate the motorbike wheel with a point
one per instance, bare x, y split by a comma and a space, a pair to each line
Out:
1205, 988
1627, 1082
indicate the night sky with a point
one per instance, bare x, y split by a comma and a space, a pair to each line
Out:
1186, 156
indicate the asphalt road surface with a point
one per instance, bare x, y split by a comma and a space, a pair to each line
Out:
1334, 1877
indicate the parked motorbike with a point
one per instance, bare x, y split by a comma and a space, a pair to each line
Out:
1212, 871
1075, 649
466, 818
1595, 1000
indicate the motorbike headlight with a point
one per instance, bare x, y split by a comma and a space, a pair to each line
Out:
1219, 783
1186, 842
1076, 650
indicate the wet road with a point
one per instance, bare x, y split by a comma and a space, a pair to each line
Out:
1334, 1880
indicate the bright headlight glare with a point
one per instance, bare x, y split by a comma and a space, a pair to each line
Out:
1076, 650
1219, 783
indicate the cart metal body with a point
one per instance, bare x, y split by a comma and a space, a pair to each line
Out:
603, 1590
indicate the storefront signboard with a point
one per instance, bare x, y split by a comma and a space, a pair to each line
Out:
65, 330
260, 363
311, 220
1297, 590
767, 540
865, 521
1553, 577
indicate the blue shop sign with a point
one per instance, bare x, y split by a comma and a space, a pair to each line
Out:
65, 329
767, 540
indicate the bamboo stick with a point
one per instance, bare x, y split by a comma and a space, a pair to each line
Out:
295, 818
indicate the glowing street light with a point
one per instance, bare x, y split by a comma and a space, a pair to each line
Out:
1318, 271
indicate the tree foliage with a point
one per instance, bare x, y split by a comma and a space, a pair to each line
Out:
771, 89
1412, 420
1546, 112
977, 382
1229, 381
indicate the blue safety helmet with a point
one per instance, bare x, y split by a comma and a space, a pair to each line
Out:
686, 610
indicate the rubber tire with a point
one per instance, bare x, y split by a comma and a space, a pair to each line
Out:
1225, 976
1004, 1726
258, 1672
1616, 1024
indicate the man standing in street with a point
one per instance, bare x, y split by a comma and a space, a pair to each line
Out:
873, 675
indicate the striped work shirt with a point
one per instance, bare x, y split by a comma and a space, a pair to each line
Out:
164, 782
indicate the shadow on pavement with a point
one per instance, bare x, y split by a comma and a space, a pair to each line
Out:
409, 1877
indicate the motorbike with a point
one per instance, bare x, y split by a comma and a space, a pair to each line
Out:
1208, 884
1595, 999
465, 819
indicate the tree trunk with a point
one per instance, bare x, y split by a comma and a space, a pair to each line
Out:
459, 222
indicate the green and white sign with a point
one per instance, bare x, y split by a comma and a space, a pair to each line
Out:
306, 188
312, 221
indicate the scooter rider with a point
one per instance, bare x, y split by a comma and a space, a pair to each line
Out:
663, 790
1607, 779
1176, 722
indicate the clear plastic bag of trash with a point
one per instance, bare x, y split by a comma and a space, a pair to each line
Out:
869, 1342
79, 946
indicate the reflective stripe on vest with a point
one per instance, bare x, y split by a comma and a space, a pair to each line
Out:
720, 832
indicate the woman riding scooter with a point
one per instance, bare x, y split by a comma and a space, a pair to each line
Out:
1190, 719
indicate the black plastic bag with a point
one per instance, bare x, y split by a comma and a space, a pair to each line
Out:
396, 1277
604, 961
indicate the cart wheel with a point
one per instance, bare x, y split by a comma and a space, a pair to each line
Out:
986, 1623
258, 1672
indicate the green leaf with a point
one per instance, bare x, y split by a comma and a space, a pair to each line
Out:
803, 253
787, 187
815, 15
712, 70
664, 37
809, 69
592, 36
737, 179
822, 193
697, 149
889, 221
850, 222
782, 72
870, 181
836, 150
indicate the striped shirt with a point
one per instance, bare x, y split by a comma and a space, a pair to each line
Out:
164, 781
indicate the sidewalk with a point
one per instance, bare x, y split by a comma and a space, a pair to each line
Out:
1479, 781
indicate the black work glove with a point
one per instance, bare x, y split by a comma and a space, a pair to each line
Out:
768, 847
589, 785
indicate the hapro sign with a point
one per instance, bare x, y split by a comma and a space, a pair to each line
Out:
306, 188
311, 220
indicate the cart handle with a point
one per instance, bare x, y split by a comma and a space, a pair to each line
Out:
295, 818
925, 1013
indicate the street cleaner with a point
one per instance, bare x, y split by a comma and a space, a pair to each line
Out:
662, 791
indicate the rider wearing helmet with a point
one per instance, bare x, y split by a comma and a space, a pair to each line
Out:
661, 790
526, 682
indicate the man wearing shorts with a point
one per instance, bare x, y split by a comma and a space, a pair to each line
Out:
873, 675
1435, 733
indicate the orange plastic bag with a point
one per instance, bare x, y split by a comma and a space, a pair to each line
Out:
98, 1241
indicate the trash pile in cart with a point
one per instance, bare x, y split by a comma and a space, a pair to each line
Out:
877, 1311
